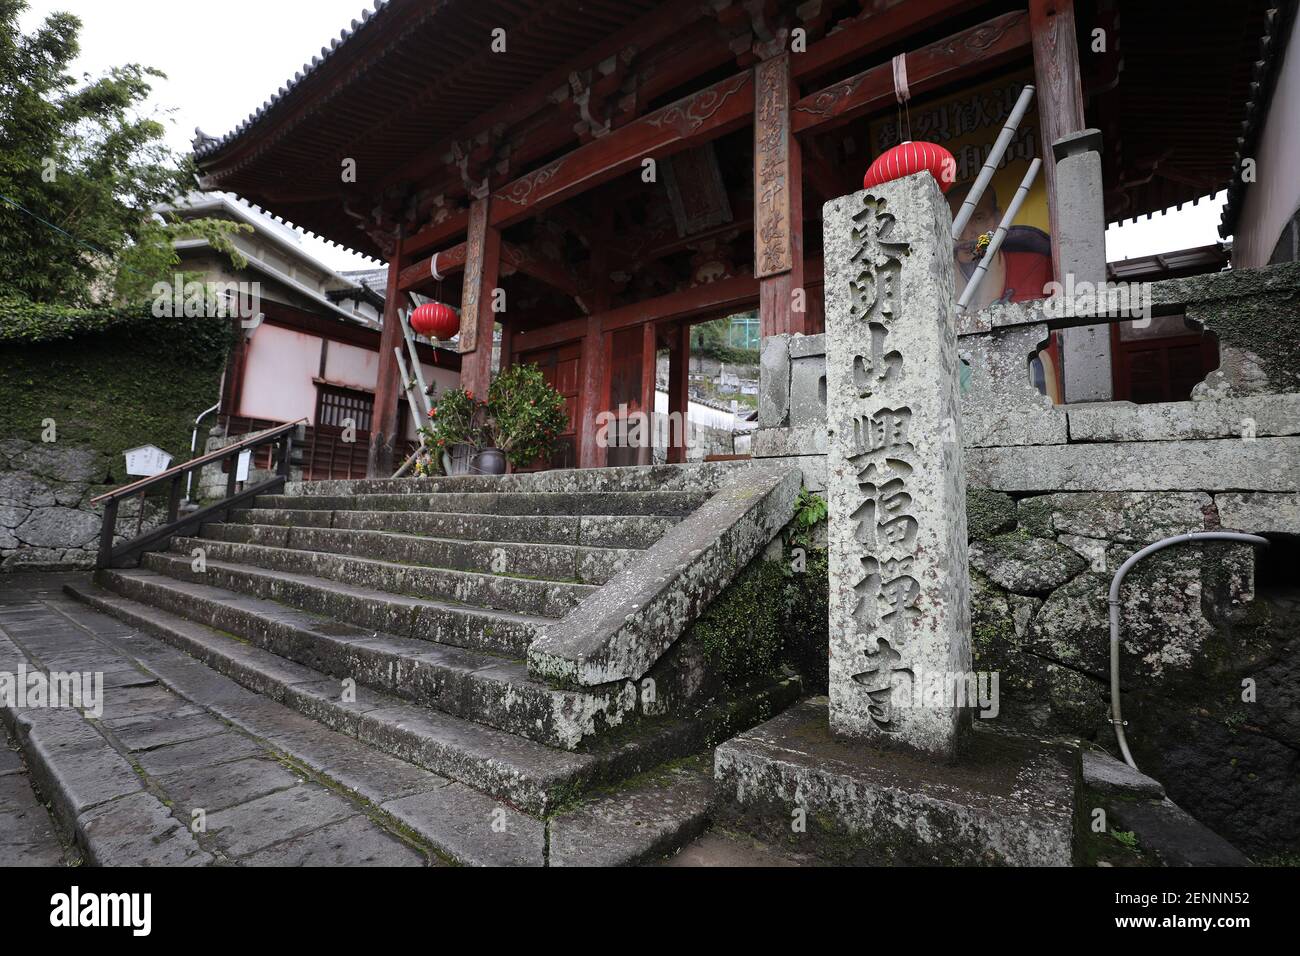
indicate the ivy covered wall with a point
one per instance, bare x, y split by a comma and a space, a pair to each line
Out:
110, 379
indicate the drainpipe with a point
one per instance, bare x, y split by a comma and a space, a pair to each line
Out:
1117, 719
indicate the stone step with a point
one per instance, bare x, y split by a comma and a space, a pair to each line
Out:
552, 562
641, 821
531, 776
551, 599
670, 503
694, 476
440, 622
592, 531
488, 690
95, 794
724, 848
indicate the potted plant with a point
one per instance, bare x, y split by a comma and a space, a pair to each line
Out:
516, 425
455, 429
525, 414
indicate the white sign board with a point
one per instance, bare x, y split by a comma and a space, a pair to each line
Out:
146, 461
241, 471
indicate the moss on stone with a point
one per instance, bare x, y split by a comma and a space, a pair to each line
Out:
1034, 515
740, 633
113, 387
989, 513
771, 614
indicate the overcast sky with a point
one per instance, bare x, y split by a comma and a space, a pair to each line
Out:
224, 59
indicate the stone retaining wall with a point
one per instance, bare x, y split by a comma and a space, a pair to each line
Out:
46, 519
1060, 496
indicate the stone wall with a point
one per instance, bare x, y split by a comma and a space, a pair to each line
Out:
96, 382
1059, 496
46, 518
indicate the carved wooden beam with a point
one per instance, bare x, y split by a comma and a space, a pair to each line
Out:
661, 24
964, 54
708, 114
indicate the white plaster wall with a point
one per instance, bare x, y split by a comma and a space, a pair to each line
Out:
697, 414
351, 365
1272, 200
278, 376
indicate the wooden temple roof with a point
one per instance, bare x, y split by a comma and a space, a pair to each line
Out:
414, 94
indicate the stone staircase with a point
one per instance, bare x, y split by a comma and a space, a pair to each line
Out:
516, 634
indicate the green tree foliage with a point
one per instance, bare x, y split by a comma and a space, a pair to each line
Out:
87, 169
712, 339
526, 413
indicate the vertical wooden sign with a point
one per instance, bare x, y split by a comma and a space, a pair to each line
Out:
772, 191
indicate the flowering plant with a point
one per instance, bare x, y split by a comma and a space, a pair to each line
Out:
522, 416
525, 414
456, 419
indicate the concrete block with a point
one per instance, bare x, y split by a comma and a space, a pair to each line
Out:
1265, 464
1006, 801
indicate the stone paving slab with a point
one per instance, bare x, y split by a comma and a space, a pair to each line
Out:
28, 834
127, 786
138, 830
149, 731
226, 785
259, 823
639, 821
349, 843
722, 848
193, 754
473, 827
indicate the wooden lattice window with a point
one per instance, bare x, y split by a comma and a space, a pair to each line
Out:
335, 405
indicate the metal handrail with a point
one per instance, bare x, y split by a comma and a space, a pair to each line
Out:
248, 441
111, 555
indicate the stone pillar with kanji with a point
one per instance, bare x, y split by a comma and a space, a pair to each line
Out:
899, 585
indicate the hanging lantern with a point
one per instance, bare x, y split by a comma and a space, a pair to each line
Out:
912, 157
435, 320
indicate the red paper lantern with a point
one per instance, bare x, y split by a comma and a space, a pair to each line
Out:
912, 157
435, 320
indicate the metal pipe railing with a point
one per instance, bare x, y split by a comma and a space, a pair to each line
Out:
1117, 716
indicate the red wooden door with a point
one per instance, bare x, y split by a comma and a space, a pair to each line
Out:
562, 367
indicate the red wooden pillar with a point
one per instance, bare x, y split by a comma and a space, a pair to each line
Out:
236, 364
778, 202
679, 395
594, 362
649, 370
477, 319
1059, 91
595, 354
383, 423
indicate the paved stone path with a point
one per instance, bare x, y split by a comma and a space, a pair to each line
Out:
28, 836
159, 778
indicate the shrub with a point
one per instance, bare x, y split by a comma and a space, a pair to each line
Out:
525, 414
